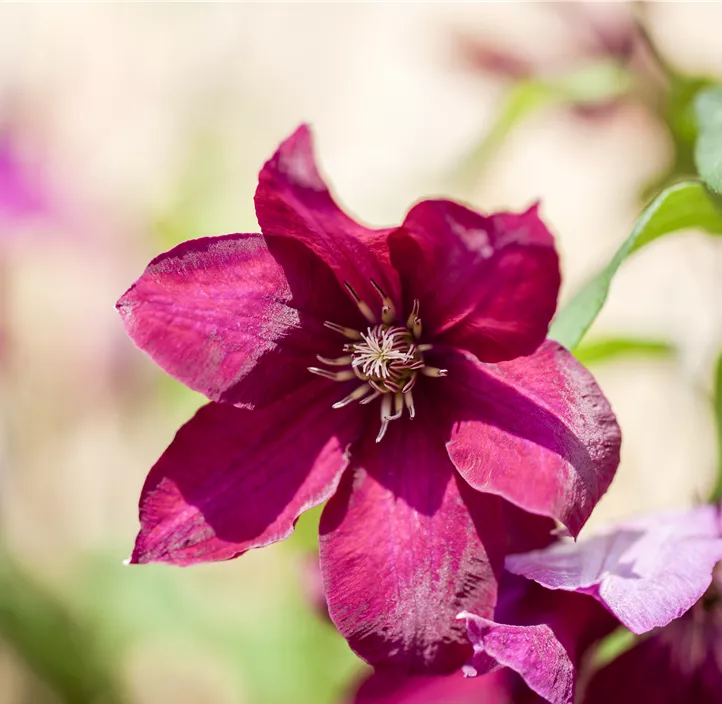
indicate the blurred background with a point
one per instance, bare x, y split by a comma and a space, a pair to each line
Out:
127, 128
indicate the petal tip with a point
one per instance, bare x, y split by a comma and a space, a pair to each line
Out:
126, 304
292, 164
141, 555
534, 208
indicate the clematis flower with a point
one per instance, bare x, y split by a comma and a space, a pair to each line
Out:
400, 374
659, 576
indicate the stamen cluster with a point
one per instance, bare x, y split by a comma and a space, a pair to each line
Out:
387, 359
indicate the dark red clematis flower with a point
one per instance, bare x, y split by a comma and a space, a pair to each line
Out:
401, 374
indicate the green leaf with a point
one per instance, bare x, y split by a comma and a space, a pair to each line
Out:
614, 347
616, 643
221, 610
677, 114
708, 149
716, 495
682, 206
53, 640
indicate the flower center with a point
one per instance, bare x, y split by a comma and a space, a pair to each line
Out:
386, 359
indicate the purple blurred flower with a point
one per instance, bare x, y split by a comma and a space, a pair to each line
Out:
659, 576
24, 194
413, 464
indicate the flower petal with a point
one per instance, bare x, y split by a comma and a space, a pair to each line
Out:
647, 572
488, 284
532, 651
233, 321
235, 479
577, 621
405, 546
537, 431
389, 688
526, 531
293, 201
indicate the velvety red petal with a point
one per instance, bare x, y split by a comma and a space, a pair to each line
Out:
293, 201
488, 284
235, 479
387, 688
531, 651
405, 546
536, 430
233, 321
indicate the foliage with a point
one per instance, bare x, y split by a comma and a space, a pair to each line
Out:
679, 207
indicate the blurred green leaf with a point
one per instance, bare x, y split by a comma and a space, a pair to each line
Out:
274, 644
716, 495
680, 207
676, 113
595, 83
59, 647
616, 643
522, 100
614, 347
708, 150
681, 118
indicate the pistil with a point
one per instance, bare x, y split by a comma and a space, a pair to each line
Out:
386, 358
